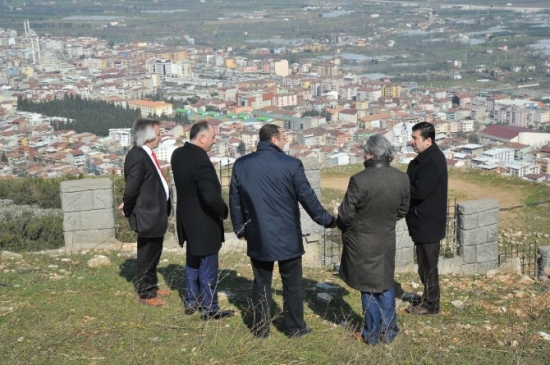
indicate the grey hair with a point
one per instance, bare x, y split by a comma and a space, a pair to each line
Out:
380, 148
143, 131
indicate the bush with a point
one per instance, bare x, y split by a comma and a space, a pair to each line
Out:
31, 231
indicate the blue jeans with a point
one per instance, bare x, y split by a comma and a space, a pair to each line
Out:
380, 317
201, 273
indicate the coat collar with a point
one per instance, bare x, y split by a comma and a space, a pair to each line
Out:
373, 164
267, 146
194, 147
422, 155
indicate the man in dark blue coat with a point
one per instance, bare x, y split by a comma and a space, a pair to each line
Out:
266, 187
427, 216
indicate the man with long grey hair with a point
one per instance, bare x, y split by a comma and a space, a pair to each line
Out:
146, 204
376, 198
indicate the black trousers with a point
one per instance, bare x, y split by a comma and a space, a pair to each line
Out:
427, 255
148, 257
293, 295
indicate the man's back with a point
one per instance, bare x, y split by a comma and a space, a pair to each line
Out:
265, 190
200, 207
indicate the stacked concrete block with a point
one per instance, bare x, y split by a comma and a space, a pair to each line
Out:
313, 174
478, 235
404, 254
88, 214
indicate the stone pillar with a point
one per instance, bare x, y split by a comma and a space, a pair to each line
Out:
543, 261
477, 235
313, 242
404, 253
88, 214
313, 174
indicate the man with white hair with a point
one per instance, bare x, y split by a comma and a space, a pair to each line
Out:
146, 204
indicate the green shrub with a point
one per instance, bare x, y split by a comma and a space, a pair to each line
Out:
31, 231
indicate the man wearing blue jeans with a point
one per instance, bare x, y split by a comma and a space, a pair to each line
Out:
380, 319
199, 216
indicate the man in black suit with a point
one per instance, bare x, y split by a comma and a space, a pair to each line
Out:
146, 203
199, 218
427, 216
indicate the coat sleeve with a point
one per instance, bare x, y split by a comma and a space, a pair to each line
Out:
346, 210
237, 216
308, 199
134, 172
208, 190
405, 199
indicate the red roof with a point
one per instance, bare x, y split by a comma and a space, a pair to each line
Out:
505, 131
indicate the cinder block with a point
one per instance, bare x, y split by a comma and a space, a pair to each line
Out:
468, 222
477, 206
487, 252
85, 184
91, 220
472, 237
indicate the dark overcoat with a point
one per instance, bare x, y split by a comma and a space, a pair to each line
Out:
144, 196
200, 209
266, 187
427, 217
376, 198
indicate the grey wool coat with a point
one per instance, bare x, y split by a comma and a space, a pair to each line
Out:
376, 198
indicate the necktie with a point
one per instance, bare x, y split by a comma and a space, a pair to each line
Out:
158, 165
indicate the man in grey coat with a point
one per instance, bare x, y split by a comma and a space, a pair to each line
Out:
376, 198
266, 187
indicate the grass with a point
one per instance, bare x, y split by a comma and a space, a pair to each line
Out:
56, 310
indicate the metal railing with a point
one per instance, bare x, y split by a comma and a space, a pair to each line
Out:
332, 239
526, 252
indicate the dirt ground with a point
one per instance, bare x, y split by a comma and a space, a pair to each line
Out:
462, 190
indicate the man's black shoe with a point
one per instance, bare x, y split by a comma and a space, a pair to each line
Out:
261, 332
217, 314
300, 333
421, 310
191, 310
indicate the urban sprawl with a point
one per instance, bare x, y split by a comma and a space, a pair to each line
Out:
326, 113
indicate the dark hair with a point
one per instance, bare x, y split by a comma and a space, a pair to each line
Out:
198, 128
269, 131
143, 131
426, 129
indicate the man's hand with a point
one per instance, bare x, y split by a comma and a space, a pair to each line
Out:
121, 209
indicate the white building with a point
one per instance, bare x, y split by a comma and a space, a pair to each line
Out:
520, 169
165, 149
121, 135
504, 155
338, 159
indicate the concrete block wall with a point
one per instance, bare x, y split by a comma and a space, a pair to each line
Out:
88, 214
88, 223
477, 234
477, 241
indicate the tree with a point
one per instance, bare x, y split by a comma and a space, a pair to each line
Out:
241, 148
210, 108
